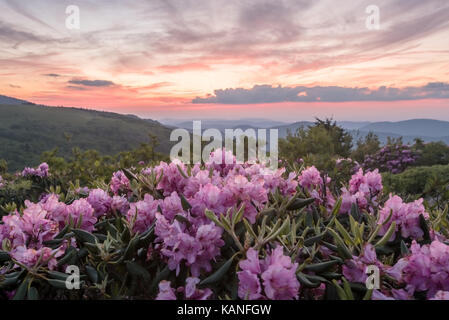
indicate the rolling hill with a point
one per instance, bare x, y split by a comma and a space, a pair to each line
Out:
415, 127
27, 130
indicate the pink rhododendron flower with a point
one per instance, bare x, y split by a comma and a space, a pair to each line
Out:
406, 216
142, 213
310, 177
441, 295
119, 204
41, 171
426, 269
354, 270
81, 209
194, 245
100, 201
166, 292
120, 183
191, 292
277, 272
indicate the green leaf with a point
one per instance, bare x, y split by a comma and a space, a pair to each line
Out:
183, 174
58, 275
185, 204
341, 246
60, 284
387, 235
70, 254
237, 217
92, 273
348, 239
218, 275
130, 248
374, 234
249, 228
340, 291
300, 203
425, 229
348, 290
404, 250
306, 282
310, 241
11, 279
211, 216
22, 290
33, 294
137, 270
4, 256
62, 233
320, 267
368, 294
355, 213
84, 236
53, 242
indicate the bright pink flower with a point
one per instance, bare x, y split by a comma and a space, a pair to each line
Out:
277, 272
310, 178
81, 209
426, 269
166, 292
171, 206
142, 213
406, 216
100, 201
120, 183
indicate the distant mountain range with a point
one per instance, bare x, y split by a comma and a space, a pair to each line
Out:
27, 130
222, 124
427, 129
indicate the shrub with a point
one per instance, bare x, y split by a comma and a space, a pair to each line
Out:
217, 231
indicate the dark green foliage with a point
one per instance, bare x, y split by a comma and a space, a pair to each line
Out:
429, 182
368, 145
319, 144
28, 130
432, 153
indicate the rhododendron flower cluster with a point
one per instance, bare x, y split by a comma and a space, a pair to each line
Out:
406, 216
189, 291
196, 244
119, 183
273, 278
41, 171
392, 158
355, 269
223, 229
364, 190
426, 269
317, 187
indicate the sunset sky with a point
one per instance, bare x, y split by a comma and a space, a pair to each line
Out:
284, 60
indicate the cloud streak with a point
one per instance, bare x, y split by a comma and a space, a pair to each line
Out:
269, 94
92, 83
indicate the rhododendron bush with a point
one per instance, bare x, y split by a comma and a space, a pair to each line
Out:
222, 231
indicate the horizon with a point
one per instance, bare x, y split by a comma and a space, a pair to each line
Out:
230, 59
168, 121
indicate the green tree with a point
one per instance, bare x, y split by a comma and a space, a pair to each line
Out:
320, 144
368, 145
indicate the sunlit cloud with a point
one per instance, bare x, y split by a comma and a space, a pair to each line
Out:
160, 55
